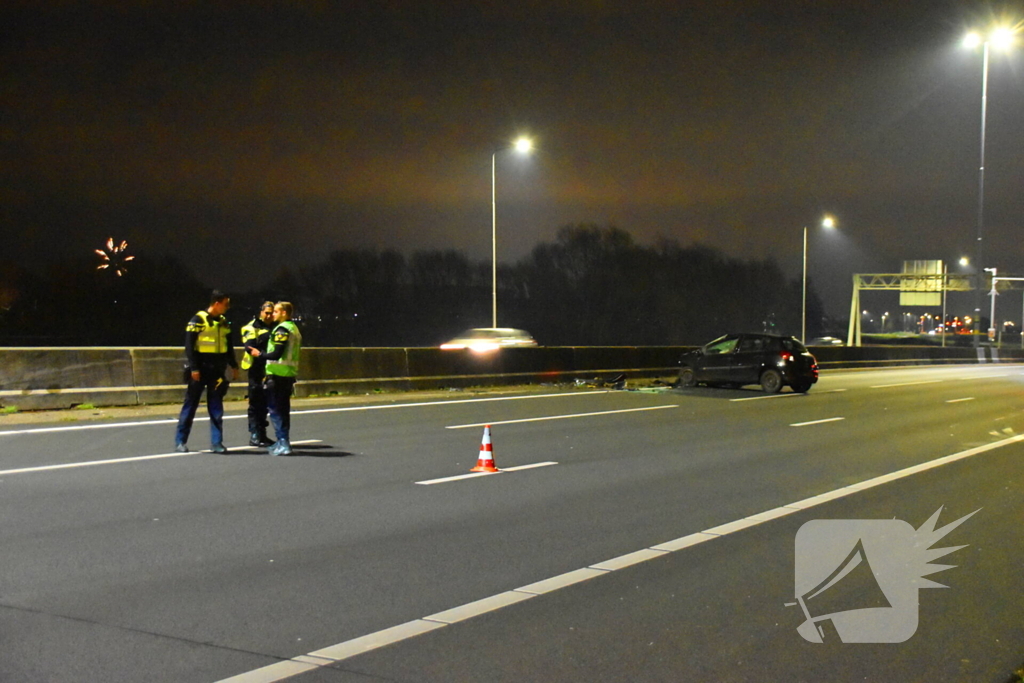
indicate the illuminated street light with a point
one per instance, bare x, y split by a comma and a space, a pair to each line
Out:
826, 222
1002, 38
522, 145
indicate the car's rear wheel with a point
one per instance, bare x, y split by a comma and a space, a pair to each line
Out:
771, 381
802, 387
687, 378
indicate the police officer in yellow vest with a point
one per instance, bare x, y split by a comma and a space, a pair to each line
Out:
282, 367
255, 336
208, 347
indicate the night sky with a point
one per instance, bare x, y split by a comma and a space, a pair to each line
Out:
246, 136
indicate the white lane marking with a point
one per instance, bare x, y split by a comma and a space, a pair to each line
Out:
457, 477
960, 400
106, 425
629, 559
684, 542
817, 422
136, 458
758, 398
277, 672
317, 411
357, 646
562, 580
518, 468
422, 404
475, 609
559, 417
908, 384
984, 377
473, 475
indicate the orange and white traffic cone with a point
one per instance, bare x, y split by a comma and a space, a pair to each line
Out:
485, 463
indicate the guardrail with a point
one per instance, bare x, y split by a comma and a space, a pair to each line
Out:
50, 378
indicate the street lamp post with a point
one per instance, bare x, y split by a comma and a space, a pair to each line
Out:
992, 310
1001, 38
826, 222
523, 145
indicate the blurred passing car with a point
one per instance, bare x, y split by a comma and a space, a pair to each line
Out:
485, 339
825, 341
736, 360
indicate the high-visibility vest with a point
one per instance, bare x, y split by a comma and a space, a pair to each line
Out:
213, 334
249, 333
288, 365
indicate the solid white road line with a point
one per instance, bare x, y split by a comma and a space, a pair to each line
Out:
960, 400
106, 425
316, 411
350, 648
817, 422
908, 384
473, 475
559, 417
136, 458
758, 398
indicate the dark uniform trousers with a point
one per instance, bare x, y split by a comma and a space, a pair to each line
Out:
213, 381
279, 402
257, 401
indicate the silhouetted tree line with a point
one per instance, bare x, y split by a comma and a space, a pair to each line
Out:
591, 286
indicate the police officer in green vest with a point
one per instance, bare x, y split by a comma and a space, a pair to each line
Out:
255, 335
282, 366
209, 352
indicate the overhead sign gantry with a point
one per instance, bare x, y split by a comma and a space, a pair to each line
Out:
924, 283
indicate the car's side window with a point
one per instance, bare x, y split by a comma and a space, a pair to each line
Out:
724, 346
751, 345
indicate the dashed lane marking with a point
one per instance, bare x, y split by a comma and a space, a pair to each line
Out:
817, 422
908, 384
473, 475
960, 400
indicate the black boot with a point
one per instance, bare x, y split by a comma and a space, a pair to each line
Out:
254, 439
263, 438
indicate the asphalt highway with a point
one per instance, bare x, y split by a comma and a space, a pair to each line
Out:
634, 535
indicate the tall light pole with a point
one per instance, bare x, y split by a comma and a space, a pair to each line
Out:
1001, 38
523, 145
992, 310
826, 222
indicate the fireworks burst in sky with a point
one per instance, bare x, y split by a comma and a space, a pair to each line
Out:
115, 258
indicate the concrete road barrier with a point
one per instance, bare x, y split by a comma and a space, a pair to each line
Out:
51, 378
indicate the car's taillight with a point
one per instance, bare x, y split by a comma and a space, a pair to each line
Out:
786, 357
